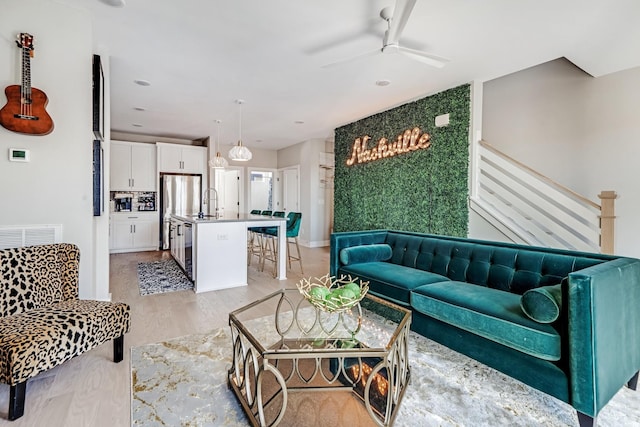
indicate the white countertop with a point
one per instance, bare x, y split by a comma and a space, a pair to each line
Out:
243, 218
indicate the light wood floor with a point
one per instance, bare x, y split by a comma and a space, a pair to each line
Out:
91, 390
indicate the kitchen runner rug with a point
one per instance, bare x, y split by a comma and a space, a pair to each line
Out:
183, 381
158, 277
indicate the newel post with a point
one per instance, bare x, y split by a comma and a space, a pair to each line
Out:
607, 220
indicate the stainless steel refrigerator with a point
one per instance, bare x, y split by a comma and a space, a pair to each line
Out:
180, 195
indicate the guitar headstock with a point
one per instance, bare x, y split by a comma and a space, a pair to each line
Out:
25, 41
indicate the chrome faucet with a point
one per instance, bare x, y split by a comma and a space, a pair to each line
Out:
205, 199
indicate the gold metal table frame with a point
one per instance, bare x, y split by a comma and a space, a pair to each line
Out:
282, 345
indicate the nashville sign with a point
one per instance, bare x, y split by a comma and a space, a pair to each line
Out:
410, 140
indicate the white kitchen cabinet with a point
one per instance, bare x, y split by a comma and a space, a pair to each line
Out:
133, 166
178, 241
176, 158
133, 232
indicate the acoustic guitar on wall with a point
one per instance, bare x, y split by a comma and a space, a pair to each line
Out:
25, 109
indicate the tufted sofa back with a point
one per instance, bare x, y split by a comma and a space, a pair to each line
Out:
37, 276
508, 268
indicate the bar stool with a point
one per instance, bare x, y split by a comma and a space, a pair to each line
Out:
254, 243
259, 245
268, 242
293, 230
294, 219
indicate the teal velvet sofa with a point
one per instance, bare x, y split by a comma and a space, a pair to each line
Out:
564, 322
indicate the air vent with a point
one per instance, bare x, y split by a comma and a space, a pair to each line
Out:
28, 235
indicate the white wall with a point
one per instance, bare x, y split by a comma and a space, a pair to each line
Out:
56, 186
261, 158
314, 230
582, 132
479, 228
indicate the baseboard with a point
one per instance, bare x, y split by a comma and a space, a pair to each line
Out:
318, 244
313, 244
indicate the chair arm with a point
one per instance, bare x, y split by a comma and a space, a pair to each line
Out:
347, 239
603, 331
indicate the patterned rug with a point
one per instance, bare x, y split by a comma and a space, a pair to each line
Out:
161, 276
183, 381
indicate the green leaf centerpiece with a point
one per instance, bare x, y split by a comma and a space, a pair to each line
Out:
333, 295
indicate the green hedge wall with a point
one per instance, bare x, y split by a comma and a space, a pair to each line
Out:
425, 190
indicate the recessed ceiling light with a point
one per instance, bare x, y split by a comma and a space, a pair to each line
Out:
299, 122
142, 82
139, 108
136, 125
114, 3
383, 83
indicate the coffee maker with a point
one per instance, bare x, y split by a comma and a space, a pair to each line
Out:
122, 202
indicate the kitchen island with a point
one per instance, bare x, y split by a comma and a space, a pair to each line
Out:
213, 251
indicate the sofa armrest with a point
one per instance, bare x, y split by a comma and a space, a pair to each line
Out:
604, 331
348, 239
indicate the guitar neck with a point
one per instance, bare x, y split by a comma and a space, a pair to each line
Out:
26, 75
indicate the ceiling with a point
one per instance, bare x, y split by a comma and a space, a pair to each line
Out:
202, 55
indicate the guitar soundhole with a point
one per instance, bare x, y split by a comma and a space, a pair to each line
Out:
25, 117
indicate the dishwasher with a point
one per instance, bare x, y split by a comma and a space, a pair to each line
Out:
188, 251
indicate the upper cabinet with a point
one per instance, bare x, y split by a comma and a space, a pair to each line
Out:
181, 158
133, 166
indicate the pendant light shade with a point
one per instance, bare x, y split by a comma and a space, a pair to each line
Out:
240, 153
218, 162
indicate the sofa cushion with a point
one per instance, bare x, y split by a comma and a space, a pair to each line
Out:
505, 267
542, 304
42, 338
490, 313
365, 253
389, 280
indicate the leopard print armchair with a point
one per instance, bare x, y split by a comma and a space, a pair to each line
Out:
42, 321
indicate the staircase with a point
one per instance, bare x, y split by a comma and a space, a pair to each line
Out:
530, 208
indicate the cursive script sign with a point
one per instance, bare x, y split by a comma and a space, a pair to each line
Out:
410, 140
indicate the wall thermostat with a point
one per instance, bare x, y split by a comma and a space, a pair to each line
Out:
19, 155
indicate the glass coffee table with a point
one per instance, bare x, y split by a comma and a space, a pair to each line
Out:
294, 364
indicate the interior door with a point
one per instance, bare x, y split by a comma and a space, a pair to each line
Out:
231, 193
290, 190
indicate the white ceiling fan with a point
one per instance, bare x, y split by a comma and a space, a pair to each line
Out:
396, 22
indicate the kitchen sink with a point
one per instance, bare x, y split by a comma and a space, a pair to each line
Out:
203, 216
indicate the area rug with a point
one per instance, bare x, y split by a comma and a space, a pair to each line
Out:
158, 277
183, 382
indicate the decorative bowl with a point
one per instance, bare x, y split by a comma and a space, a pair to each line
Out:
333, 295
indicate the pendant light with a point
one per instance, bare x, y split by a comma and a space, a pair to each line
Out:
240, 153
218, 162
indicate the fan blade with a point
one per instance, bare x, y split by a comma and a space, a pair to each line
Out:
427, 58
401, 13
344, 38
355, 58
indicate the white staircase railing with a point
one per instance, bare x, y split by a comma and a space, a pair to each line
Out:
536, 209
